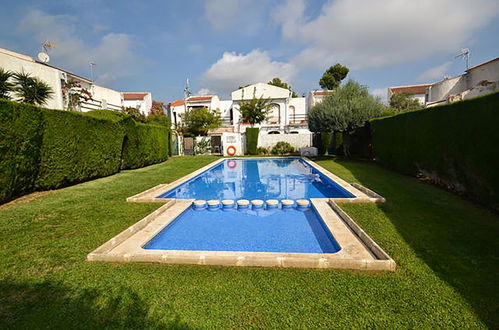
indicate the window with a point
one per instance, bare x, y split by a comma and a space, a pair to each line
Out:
274, 114
292, 114
274, 132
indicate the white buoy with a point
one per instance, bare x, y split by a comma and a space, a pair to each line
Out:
272, 203
287, 203
242, 204
257, 203
213, 204
228, 203
303, 203
199, 204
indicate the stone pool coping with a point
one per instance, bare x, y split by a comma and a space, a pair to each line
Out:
361, 193
358, 250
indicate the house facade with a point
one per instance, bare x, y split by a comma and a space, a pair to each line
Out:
56, 78
141, 101
478, 80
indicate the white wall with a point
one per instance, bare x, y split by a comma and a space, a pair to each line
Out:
109, 98
296, 140
17, 62
144, 105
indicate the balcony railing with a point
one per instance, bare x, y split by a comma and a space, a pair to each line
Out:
298, 120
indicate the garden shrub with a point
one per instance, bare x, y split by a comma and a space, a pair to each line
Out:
76, 148
21, 134
282, 148
144, 144
452, 145
262, 151
252, 140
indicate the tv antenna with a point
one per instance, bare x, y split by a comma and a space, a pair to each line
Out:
465, 53
187, 90
92, 64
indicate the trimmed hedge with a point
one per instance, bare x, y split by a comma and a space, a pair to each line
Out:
76, 148
454, 145
45, 149
21, 134
252, 140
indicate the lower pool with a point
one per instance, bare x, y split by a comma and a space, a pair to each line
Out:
278, 230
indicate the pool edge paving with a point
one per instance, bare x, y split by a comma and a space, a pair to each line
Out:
358, 250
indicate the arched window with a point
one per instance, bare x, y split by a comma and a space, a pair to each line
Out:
274, 114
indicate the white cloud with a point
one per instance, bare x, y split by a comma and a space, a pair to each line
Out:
112, 54
205, 91
234, 70
242, 15
366, 34
435, 73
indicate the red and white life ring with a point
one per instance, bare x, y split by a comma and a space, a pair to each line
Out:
231, 150
232, 164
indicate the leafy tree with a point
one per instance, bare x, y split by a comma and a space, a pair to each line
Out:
254, 111
333, 76
198, 121
348, 108
277, 82
5, 85
403, 102
31, 89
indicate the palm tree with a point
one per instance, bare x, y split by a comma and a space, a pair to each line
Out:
31, 89
5, 85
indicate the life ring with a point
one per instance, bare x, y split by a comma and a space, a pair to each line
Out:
231, 164
231, 150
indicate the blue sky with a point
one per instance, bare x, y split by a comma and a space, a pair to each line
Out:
222, 44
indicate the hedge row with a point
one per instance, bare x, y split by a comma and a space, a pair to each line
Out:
252, 140
454, 145
45, 149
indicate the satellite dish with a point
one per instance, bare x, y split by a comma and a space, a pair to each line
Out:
43, 57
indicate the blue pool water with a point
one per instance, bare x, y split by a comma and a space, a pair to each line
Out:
274, 178
249, 230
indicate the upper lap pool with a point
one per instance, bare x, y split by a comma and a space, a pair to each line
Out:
268, 178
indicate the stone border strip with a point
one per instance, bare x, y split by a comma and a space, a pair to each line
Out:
369, 192
354, 253
362, 235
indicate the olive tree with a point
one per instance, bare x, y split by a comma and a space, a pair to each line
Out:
349, 107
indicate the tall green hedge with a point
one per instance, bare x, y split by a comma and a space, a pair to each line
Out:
454, 145
45, 149
76, 148
21, 134
144, 144
252, 140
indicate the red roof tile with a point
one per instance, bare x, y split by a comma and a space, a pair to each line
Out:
177, 103
134, 96
199, 98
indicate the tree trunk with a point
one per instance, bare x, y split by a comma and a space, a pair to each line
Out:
346, 144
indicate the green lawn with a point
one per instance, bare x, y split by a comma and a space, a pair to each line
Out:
446, 251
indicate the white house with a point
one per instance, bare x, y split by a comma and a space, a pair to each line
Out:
315, 97
102, 97
416, 92
477, 80
142, 101
179, 107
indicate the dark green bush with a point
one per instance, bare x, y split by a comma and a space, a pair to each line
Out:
325, 139
282, 148
144, 145
454, 145
252, 140
76, 148
262, 151
21, 133
45, 149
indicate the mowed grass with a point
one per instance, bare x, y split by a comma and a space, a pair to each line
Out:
446, 251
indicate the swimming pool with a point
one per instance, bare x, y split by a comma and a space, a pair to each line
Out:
276, 230
263, 178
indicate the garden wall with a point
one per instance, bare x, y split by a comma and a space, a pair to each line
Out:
46, 149
454, 145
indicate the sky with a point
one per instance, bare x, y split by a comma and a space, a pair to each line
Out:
218, 45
